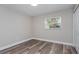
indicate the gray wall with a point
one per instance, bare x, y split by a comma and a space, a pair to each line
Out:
64, 34
13, 27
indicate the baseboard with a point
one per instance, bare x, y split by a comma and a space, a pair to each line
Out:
7, 46
54, 41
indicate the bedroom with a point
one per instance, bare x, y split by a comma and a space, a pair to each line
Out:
52, 27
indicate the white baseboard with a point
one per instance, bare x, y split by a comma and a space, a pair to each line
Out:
7, 46
54, 41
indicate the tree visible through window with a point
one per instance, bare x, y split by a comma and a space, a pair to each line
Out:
53, 22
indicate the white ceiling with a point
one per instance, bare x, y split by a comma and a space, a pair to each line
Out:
41, 9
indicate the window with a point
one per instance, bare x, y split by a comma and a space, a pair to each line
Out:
53, 22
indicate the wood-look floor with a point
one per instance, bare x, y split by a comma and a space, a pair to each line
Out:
39, 47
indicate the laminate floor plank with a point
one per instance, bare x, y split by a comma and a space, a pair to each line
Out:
35, 49
46, 49
57, 48
34, 46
